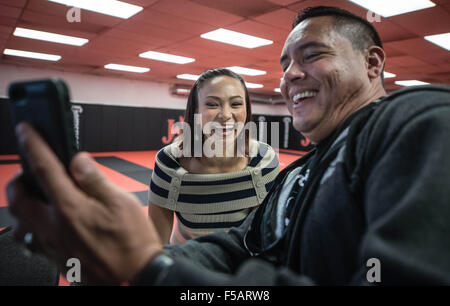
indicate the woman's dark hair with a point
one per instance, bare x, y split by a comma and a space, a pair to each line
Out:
192, 102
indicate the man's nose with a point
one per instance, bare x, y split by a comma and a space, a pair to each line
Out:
293, 73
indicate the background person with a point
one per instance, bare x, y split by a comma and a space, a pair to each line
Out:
201, 195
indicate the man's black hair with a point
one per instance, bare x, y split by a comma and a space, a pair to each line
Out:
359, 31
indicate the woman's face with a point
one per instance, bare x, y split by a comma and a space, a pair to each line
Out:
221, 102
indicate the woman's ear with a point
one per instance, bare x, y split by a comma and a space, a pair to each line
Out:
375, 58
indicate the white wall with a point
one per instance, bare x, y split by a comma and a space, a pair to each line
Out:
92, 89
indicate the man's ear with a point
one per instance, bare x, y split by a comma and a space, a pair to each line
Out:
375, 58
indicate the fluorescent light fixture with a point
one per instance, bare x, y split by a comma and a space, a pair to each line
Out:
182, 91
127, 68
108, 7
186, 76
277, 90
442, 40
246, 71
46, 36
165, 57
36, 55
388, 8
236, 38
388, 75
410, 83
253, 85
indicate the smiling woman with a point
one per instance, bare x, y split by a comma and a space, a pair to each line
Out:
192, 195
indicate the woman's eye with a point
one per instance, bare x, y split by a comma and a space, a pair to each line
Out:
236, 104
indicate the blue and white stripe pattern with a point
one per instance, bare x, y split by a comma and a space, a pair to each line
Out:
204, 203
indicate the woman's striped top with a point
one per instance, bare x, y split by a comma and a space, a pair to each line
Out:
205, 203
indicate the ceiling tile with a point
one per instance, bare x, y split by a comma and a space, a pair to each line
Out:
389, 31
143, 3
152, 32
15, 3
281, 18
115, 46
344, 4
285, 2
405, 61
241, 8
196, 12
177, 23
9, 11
8, 21
5, 32
421, 48
261, 30
429, 21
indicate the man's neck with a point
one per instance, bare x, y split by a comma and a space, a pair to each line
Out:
359, 102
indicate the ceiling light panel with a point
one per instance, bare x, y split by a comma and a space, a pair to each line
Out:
253, 85
127, 68
35, 55
410, 83
52, 37
114, 8
246, 71
388, 75
442, 40
165, 57
187, 76
236, 38
388, 8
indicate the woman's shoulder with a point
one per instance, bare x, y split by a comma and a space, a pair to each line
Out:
167, 157
262, 155
263, 149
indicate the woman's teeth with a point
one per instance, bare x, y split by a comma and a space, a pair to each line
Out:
225, 130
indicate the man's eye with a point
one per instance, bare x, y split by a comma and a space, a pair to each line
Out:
312, 56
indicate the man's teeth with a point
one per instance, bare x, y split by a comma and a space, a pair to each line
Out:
304, 95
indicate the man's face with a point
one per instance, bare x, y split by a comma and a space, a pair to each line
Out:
323, 77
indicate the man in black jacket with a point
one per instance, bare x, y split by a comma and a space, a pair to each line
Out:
367, 206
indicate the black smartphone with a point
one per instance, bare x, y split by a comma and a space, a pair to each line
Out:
45, 104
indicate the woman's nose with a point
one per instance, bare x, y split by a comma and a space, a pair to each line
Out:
225, 113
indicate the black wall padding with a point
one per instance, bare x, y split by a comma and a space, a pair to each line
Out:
108, 128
